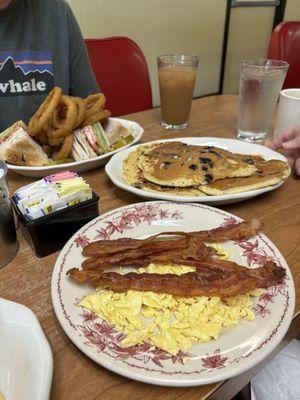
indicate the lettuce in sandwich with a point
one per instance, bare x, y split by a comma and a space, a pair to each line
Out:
93, 140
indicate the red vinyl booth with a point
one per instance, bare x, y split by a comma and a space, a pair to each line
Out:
285, 45
121, 71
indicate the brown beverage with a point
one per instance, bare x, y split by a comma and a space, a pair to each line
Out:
176, 86
177, 76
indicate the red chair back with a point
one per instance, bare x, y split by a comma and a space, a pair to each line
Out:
121, 71
285, 45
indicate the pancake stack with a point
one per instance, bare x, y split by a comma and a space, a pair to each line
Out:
189, 170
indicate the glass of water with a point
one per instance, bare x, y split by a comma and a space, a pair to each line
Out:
260, 84
8, 238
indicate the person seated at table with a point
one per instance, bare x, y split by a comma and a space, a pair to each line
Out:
290, 142
41, 46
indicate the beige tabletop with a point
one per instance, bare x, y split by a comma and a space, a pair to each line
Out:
27, 278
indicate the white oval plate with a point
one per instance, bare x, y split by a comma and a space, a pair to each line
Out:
25, 355
237, 349
114, 170
79, 166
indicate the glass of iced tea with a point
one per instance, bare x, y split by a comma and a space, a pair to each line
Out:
260, 85
177, 75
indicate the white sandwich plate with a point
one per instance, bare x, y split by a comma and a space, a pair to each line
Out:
79, 166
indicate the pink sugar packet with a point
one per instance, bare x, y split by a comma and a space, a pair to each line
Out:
60, 176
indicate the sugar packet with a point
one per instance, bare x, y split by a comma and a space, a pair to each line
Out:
52, 193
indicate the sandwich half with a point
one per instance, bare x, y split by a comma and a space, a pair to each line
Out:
94, 140
117, 134
18, 148
89, 142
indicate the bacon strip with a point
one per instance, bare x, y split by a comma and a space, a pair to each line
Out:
241, 230
201, 283
106, 247
171, 251
167, 258
212, 277
238, 231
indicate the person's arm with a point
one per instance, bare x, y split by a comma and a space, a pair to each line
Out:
82, 78
290, 142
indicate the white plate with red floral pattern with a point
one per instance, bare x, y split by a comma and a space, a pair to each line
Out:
236, 350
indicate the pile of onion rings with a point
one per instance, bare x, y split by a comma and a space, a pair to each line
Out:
53, 123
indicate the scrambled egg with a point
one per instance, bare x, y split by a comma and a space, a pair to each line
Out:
171, 323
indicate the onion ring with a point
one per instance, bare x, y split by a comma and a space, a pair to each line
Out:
56, 141
47, 149
44, 112
59, 114
96, 117
65, 148
81, 108
68, 107
67, 124
95, 102
42, 137
58, 133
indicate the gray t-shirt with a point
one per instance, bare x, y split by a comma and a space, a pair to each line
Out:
41, 46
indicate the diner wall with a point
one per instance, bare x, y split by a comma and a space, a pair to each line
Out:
162, 26
188, 26
292, 10
250, 29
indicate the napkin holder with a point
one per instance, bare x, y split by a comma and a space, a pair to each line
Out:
50, 233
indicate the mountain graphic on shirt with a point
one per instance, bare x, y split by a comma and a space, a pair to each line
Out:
15, 82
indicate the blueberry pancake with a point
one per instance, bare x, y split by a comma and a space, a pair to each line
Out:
181, 165
133, 175
188, 170
268, 173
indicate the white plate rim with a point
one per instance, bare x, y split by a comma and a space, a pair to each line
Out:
118, 158
31, 320
62, 315
74, 164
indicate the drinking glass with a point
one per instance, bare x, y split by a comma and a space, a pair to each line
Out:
288, 114
8, 238
260, 84
177, 75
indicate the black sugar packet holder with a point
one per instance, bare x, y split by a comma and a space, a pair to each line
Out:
50, 233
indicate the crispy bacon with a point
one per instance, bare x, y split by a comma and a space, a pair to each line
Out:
167, 258
212, 277
240, 230
106, 247
201, 283
171, 251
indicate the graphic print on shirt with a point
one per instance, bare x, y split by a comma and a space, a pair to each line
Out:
25, 72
